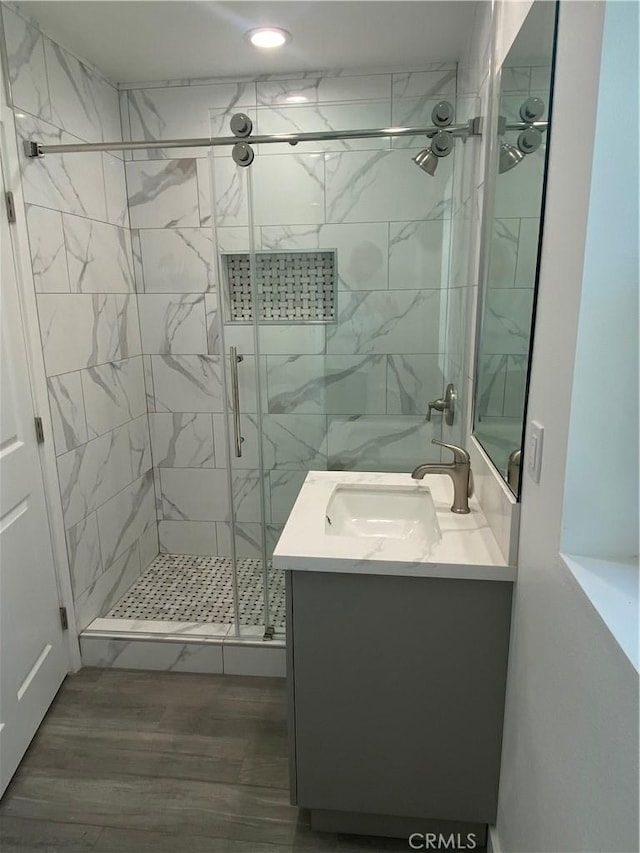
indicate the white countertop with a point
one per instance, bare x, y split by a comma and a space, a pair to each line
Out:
467, 549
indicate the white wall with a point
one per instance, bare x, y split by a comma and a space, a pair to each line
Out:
604, 405
570, 754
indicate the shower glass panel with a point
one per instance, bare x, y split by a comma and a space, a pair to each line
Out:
333, 273
244, 534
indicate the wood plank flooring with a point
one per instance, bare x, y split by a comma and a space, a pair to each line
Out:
154, 762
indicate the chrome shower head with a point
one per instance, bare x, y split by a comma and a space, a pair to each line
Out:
510, 156
427, 161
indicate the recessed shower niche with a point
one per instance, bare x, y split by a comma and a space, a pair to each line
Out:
292, 286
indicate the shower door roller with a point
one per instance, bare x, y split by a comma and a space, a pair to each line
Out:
243, 154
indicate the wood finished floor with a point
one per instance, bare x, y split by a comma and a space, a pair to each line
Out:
154, 762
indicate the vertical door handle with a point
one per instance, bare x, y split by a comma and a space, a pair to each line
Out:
235, 398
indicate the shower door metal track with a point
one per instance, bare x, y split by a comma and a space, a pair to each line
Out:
470, 128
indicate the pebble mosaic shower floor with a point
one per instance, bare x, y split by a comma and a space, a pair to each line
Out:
179, 588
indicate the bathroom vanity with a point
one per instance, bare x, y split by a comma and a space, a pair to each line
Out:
398, 634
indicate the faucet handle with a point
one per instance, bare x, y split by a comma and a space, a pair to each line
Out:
459, 453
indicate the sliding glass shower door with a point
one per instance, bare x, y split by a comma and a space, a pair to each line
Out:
333, 270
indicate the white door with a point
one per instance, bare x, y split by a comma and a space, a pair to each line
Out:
33, 650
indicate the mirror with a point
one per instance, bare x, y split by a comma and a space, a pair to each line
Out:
512, 232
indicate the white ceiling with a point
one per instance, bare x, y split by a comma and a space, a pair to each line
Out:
162, 39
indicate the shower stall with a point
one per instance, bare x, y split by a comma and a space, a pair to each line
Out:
297, 312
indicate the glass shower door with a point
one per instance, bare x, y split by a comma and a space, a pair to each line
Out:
334, 286
242, 537
352, 267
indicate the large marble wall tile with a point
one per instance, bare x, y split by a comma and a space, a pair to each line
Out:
108, 588
163, 194
398, 321
324, 89
73, 183
323, 117
362, 249
419, 254
194, 494
236, 238
288, 190
182, 440
248, 539
74, 330
123, 519
82, 102
214, 333
98, 256
148, 383
335, 384
386, 443
231, 196
140, 446
457, 316
284, 487
83, 546
504, 252
203, 173
149, 546
245, 487
27, 70
188, 537
187, 383
365, 186
424, 84
114, 393
292, 340
177, 260
47, 248
67, 411
115, 187
294, 442
507, 322
173, 323
136, 251
412, 382
91, 474
81, 330
183, 112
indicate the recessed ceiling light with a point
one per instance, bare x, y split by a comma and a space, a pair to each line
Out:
268, 37
296, 99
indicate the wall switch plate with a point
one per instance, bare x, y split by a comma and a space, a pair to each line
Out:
534, 450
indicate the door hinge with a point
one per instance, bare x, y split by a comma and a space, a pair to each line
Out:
64, 619
11, 206
39, 430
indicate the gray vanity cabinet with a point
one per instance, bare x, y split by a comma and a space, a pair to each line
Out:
396, 699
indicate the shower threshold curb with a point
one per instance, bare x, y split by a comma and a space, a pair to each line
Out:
180, 652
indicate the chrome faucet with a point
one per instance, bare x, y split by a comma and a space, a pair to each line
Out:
459, 470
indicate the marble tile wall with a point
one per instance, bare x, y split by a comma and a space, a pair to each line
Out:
347, 395
83, 272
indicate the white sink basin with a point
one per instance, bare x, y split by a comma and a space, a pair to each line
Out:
383, 512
